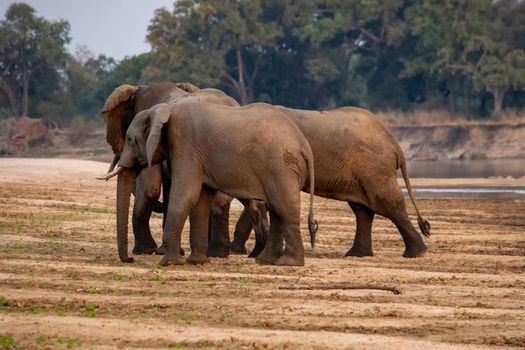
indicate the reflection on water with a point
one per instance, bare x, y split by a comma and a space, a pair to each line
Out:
467, 168
493, 192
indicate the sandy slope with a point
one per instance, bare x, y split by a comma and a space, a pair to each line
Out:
62, 286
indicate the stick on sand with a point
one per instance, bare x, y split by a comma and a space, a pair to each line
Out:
342, 286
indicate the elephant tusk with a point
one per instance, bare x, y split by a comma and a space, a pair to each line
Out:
111, 174
113, 163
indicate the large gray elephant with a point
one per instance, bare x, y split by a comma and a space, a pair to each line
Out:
253, 153
119, 110
356, 161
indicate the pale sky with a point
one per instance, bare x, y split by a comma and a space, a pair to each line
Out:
116, 28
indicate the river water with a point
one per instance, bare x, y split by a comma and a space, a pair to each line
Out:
467, 168
514, 168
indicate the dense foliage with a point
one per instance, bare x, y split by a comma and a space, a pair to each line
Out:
464, 55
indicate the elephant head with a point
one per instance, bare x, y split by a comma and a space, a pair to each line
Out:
143, 137
127, 100
142, 148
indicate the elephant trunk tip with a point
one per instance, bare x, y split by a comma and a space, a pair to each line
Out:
312, 228
424, 226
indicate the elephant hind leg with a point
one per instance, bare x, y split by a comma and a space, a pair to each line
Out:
219, 225
243, 228
274, 245
253, 216
290, 212
363, 235
392, 206
260, 226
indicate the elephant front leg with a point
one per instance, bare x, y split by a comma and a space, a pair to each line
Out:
363, 235
199, 228
182, 197
144, 242
147, 192
166, 185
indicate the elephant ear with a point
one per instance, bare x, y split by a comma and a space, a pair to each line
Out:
188, 87
115, 112
158, 116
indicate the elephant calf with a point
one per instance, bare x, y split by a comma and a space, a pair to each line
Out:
252, 153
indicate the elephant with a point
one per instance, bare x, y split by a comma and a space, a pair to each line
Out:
254, 153
119, 110
356, 160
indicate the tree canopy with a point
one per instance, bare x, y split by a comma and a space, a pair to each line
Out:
29, 45
468, 55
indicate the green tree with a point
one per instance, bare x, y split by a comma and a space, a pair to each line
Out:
213, 42
495, 68
29, 45
354, 49
442, 30
507, 23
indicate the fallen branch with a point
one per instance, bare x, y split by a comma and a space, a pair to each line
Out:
342, 286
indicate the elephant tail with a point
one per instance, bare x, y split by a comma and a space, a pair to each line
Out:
312, 223
424, 225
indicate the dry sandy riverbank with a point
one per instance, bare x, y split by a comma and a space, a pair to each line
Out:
61, 284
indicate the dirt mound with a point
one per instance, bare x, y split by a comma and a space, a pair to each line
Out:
17, 133
462, 142
30, 137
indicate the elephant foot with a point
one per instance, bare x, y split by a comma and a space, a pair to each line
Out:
359, 252
266, 259
287, 260
237, 248
138, 250
172, 260
158, 207
218, 252
256, 251
198, 259
415, 252
161, 250
127, 259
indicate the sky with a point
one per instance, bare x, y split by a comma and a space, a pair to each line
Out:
116, 28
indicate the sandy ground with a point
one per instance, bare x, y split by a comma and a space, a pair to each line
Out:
62, 286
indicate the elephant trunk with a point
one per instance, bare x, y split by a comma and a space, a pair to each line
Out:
125, 182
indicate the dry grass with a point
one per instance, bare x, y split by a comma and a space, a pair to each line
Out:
443, 117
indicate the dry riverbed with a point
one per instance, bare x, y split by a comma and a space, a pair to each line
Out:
62, 286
